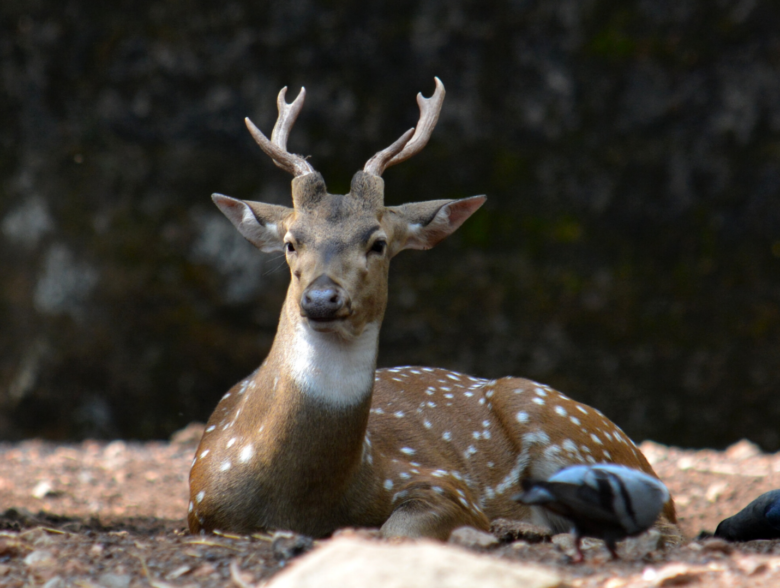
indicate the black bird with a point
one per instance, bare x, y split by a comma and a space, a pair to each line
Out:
758, 520
605, 501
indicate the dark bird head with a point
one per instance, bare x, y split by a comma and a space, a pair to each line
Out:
758, 520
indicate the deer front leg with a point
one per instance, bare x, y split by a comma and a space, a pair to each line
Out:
427, 510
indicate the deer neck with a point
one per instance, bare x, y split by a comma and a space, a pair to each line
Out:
324, 368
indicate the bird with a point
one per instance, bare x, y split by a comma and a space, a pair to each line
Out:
606, 501
758, 520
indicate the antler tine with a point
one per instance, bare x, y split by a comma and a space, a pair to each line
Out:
276, 148
288, 114
405, 148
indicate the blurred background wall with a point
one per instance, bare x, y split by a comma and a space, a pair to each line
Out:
629, 252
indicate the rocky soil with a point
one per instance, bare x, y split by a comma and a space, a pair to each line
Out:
111, 515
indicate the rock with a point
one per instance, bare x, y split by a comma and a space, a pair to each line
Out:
640, 547
472, 538
676, 574
507, 530
189, 436
354, 563
743, 449
752, 565
287, 545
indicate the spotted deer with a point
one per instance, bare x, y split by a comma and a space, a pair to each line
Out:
317, 438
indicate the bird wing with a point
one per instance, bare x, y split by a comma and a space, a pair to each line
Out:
772, 515
582, 501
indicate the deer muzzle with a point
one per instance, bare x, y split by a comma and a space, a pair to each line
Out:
324, 301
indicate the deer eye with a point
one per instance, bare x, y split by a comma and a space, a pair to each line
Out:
289, 247
378, 246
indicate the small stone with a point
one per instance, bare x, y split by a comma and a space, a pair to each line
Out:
716, 544
288, 545
636, 548
178, 572
9, 548
752, 565
677, 575
55, 582
41, 489
472, 538
39, 558
111, 580
507, 531
205, 569
743, 449
715, 491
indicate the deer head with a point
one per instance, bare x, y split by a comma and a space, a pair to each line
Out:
338, 247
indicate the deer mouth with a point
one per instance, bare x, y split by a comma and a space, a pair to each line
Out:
325, 325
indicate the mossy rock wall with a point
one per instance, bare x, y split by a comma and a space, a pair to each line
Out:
629, 252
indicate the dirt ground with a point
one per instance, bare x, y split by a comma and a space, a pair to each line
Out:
111, 515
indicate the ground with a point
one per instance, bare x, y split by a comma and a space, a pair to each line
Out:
111, 514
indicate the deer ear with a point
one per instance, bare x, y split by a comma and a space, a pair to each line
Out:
259, 223
424, 224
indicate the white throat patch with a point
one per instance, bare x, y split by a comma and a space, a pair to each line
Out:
335, 371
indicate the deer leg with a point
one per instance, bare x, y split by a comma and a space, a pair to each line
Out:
433, 512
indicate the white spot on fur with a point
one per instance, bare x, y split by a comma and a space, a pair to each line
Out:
231, 442
575, 420
539, 401
536, 438
399, 414
596, 439
408, 450
246, 453
200, 496
388, 484
224, 466
211, 428
204, 453
446, 435
427, 424
561, 411
522, 417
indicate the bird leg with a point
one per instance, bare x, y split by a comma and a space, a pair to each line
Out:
612, 548
578, 556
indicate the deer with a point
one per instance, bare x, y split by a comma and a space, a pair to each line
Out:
317, 438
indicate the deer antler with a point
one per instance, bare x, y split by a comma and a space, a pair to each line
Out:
276, 148
408, 145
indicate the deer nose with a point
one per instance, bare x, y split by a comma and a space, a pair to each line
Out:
323, 300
